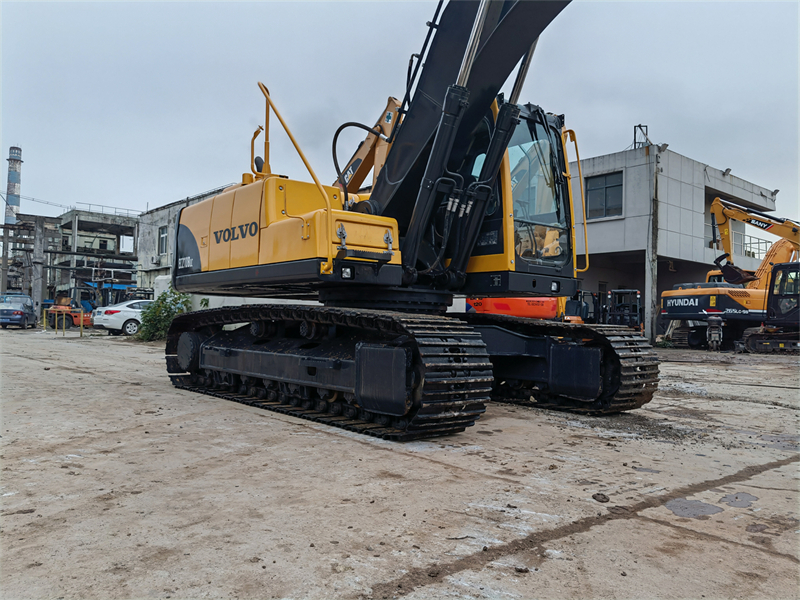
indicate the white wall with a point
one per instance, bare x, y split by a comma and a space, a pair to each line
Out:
684, 186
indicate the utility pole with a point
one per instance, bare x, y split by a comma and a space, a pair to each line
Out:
37, 263
651, 308
4, 269
73, 262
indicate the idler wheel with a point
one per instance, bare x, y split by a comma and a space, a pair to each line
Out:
311, 330
189, 350
308, 330
400, 423
262, 329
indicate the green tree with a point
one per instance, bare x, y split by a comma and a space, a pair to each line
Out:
157, 317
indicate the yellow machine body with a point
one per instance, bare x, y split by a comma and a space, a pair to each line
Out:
277, 220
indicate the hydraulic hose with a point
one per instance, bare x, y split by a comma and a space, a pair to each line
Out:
344, 126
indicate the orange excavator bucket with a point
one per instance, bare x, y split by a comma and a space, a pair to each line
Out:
731, 273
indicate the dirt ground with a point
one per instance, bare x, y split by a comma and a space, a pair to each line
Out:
115, 485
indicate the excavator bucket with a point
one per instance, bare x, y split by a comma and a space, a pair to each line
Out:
731, 273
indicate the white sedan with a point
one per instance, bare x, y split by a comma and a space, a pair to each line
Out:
125, 317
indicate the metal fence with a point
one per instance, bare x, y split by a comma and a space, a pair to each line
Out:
108, 210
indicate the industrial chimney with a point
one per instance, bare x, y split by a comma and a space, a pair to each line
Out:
12, 191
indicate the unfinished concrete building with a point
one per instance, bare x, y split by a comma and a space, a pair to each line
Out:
26, 259
91, 257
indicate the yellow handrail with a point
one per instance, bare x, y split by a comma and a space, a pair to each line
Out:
569, 133
258, 174
328, 266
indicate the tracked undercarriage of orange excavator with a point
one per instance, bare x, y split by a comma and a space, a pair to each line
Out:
472, 196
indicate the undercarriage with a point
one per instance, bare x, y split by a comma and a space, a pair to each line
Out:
404, 376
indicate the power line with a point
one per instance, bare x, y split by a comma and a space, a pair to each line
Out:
39, 201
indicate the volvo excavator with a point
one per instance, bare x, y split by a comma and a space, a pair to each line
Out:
738, 305
470, 195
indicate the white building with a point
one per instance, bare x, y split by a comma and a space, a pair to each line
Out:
649, 223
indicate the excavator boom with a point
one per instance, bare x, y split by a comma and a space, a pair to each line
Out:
722, 212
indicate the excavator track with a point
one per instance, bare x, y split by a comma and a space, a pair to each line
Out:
757, 341
448, 369
630, 366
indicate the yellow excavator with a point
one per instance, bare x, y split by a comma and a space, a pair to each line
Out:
739, 302
443, 216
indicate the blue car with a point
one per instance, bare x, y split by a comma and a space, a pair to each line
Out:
18, 311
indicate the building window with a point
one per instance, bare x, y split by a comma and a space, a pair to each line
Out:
103, 244
162, 240
604, 196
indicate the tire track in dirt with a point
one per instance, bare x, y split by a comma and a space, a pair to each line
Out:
417, 578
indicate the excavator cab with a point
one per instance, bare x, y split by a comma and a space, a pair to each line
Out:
780, 331
525, 243
784, 294
541, 229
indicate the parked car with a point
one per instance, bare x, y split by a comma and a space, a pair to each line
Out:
17, 310
125, 317
16, 297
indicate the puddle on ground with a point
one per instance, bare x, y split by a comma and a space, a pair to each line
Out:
739, 500
645, 470
693, 509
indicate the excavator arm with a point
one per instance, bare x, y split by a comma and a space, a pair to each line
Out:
723, 211
371, 153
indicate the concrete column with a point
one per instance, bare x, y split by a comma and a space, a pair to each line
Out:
4, 268
26, 272
651, 254
37, 283
73, 260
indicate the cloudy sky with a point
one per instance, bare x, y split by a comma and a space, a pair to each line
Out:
136, 105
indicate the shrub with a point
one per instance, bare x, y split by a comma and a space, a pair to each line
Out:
157, 317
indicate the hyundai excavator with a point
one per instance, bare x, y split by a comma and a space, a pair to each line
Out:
444, 215
739, 304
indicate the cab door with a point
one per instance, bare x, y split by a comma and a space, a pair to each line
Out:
784, 295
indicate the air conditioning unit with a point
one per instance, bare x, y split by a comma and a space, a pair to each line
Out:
155, 260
